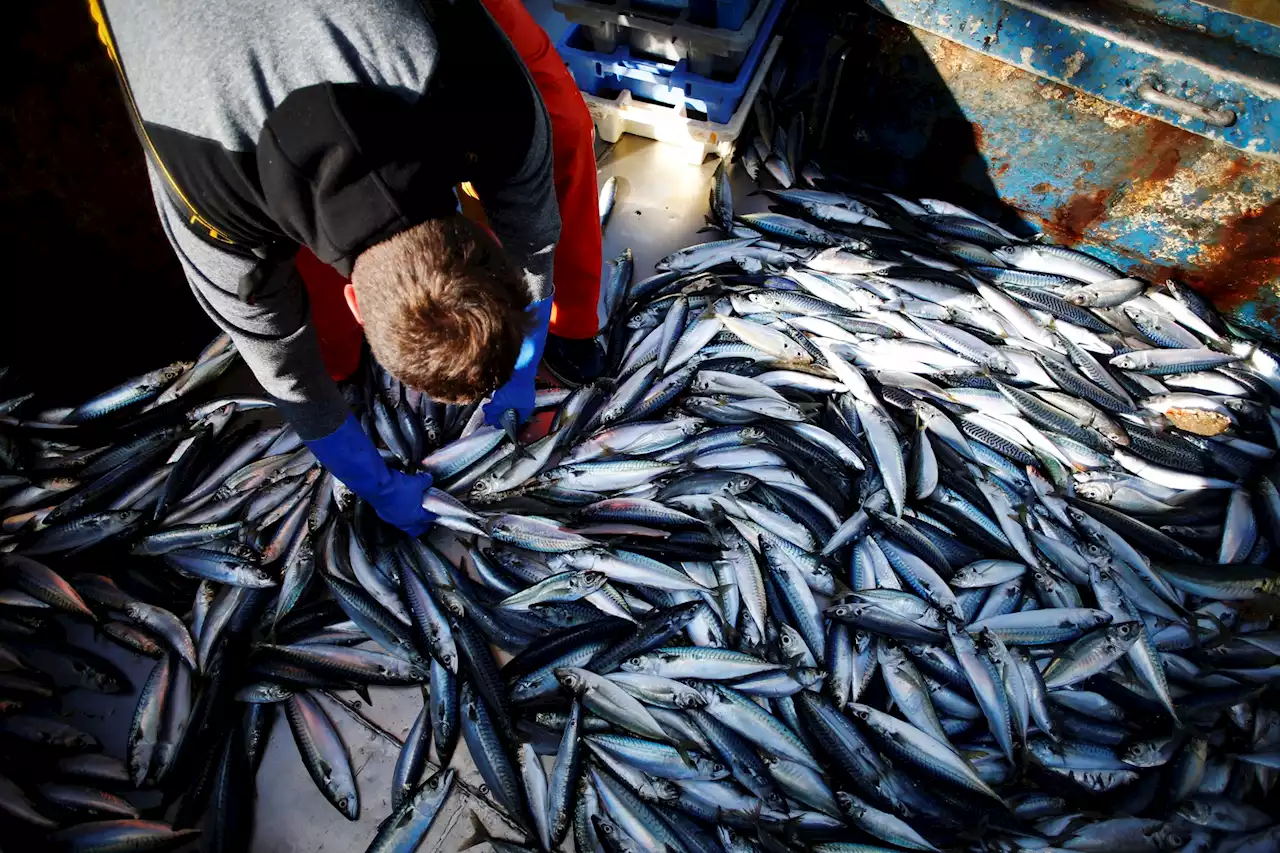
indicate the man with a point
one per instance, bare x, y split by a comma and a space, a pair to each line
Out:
342, 128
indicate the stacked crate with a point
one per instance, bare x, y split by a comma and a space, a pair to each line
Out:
683, 72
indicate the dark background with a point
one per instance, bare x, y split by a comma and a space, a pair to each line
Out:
92, 293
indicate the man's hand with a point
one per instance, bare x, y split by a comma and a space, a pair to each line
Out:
400, 504
350, 456
518, 393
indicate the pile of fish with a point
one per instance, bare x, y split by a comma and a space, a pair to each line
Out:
888, 530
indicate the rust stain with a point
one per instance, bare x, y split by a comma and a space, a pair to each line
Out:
1158, 162
1240, 262
1166, 165
951, 57
1042, 187
978, 137
1002, 168
1160, 158
1073, 219
1237, 168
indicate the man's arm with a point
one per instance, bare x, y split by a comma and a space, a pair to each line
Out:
275, 337
522, 209
273, 334
523, 213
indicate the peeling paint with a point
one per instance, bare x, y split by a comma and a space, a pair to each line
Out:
1149, 197
1073, 64
1190, 202
1105, 50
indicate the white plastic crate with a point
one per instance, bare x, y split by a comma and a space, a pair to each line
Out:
696, 139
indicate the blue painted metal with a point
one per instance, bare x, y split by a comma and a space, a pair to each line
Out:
1232, 20
931, 116
1109, 51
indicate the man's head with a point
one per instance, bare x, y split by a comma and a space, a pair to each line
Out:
443, 308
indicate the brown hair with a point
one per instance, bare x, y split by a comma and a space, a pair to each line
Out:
443, 308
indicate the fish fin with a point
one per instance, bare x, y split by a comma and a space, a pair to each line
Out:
362, 690
708, 313
1224, 630
792, 832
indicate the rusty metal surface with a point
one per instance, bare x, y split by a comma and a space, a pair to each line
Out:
1146, 195
1114, 51
933, 117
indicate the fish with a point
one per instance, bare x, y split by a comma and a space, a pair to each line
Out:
608, 196
125, 834
721, 199
874, 434
323, 753
404, 829
127, 395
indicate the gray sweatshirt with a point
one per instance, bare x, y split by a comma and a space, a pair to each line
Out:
333, 125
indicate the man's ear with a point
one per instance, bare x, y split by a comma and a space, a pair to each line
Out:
349, 292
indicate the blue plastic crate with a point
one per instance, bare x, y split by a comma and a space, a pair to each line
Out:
606, 74
661, 7
721, 14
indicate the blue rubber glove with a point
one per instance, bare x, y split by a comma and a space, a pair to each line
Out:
350, 456
518, 392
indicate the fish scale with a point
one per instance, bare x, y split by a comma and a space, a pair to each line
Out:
1059, 308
